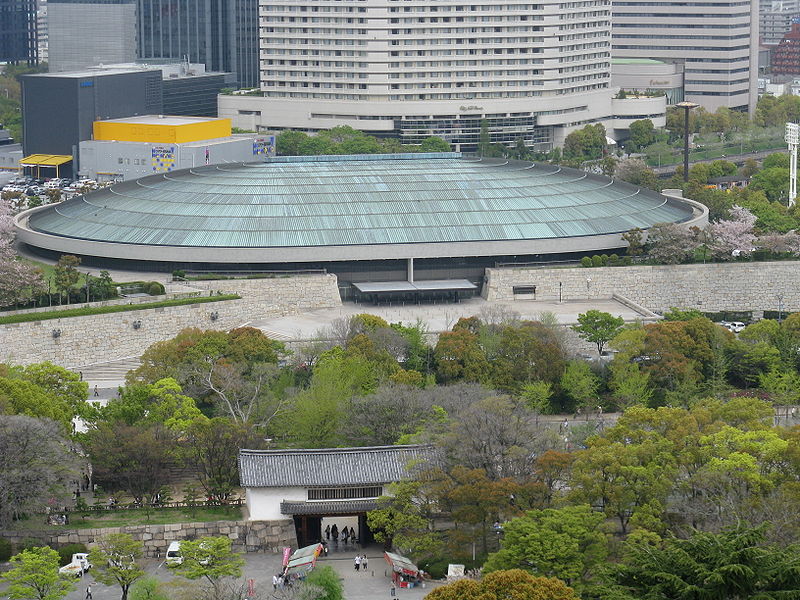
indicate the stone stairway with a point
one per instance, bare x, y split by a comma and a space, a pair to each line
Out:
107, 374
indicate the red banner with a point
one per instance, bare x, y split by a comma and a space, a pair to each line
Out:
287, 552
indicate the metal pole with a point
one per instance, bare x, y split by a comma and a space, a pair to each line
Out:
686, 144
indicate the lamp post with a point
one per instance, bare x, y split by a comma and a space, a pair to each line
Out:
686, 106
780, 307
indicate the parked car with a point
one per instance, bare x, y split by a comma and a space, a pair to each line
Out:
736, 326
174, 557
78, 566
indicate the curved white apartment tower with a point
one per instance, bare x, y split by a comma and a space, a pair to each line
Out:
413, 68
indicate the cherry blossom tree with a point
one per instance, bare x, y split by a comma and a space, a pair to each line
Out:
19, 281
733, 237
780, 243
669, 243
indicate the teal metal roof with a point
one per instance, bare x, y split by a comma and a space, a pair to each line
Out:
357, 200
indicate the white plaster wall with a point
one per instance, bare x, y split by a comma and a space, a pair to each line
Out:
264, 504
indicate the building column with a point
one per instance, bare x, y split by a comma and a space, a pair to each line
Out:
410, 270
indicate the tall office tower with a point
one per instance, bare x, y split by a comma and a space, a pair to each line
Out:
775, 19
415, 68
84, 33
716, 42
222, 34
41, 31
18, 32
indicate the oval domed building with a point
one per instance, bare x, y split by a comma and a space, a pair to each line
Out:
365, 217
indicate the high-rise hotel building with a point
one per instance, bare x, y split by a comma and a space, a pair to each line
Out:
533, 69
714, 41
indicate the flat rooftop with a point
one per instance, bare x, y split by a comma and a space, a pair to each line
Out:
168, 120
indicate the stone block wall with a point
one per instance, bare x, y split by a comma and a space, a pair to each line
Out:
712, 287
246, 536
101, 338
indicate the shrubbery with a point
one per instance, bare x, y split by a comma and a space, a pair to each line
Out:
65, 552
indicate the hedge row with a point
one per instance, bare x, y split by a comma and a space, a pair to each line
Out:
100, 310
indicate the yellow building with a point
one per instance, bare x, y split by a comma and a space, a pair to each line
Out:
159, 129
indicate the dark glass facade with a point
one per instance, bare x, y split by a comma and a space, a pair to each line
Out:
193, 96
18, 32
222, 34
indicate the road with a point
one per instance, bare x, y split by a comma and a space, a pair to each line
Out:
739, 159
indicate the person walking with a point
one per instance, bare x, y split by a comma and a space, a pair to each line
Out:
345, 534
274, 582
364, 563
328, 532
96, 393
357, 562
335, 533
89, 592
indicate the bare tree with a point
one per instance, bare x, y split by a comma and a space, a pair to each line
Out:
37, 464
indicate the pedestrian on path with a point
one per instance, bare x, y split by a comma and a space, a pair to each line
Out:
364, 563
357, 562
96, 393
274, 582
328, 532
89, 592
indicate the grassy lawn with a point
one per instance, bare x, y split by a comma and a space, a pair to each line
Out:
121, 518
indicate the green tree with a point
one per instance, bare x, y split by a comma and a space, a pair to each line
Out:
642, 133
114, 561
773, 181
621, 477
34, 575
733, 565
598, 327
212, 559
458, 356
588, 143
515, 584
328, 581
434, 144
288, 142
580, 384
65, 273
147, 588
565, 543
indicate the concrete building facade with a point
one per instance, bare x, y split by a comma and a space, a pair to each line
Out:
648, 75
134, 147
716, 42
59, 109
416, 69
775, 19
83, 34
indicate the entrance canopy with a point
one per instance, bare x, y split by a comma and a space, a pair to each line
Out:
304, 559
415, 291
54, 162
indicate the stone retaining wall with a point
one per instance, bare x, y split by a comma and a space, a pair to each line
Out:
751, 286
246, 536
106, 337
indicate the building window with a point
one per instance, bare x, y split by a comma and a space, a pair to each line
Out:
344, 493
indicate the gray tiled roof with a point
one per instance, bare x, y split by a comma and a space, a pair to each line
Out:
371, 465
334, 507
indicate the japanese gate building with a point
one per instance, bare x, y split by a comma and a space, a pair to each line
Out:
310, 485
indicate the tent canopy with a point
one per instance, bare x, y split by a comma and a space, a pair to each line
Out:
401, 564
303, 559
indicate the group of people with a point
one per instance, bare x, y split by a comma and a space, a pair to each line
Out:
360, 562
282, 580
347, 534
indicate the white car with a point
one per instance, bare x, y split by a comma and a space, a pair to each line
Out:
174, 557
736, 326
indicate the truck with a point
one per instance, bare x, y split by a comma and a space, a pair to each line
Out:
79, 565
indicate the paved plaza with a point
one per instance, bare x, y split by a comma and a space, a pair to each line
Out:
311, 325
374, 584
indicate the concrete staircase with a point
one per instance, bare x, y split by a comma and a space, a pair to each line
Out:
107, 374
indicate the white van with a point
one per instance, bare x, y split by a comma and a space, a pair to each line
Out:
174, 557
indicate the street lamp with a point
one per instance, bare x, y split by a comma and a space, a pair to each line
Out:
780, 307
686, 106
